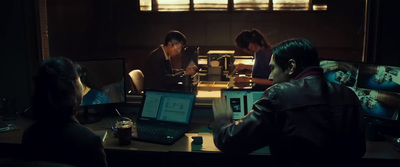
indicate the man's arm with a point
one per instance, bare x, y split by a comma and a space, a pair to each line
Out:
244, 135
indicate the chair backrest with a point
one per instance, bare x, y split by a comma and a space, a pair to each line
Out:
138, 80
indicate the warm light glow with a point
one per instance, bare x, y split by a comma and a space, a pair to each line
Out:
251, 4
210, 5
290, 4
320, 7
238, 5
145, 5
211, 1
173, 5
208, 94
244, 61
172, 1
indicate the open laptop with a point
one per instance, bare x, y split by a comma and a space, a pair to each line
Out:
164, 116
241, 100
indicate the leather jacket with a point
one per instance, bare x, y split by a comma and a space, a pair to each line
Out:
304, 121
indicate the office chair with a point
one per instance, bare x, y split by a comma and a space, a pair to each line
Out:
138, 80
115, 91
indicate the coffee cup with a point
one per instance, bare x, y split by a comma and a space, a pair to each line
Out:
124, 130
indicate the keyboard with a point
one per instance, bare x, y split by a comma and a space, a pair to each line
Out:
161, 135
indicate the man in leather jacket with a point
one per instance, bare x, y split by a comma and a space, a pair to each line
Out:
304, 119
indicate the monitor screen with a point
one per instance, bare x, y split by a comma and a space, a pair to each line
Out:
190, 57
103, 81
379, 104
376, 86
241, 100
379, 77
169, 106
340, 72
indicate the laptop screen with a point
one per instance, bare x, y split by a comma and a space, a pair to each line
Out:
241, 100
170, 106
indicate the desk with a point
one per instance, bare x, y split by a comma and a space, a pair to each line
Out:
183, 152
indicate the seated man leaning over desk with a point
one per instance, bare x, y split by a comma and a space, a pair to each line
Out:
159, 72
304, 119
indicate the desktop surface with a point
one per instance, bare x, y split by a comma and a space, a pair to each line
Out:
184, 151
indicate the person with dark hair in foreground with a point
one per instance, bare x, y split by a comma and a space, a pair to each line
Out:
254, 42
304, 119
57, 136
159, 72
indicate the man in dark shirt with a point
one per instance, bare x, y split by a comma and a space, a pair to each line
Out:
305, 120
159, 72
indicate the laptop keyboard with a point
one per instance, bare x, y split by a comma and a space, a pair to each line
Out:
164, 135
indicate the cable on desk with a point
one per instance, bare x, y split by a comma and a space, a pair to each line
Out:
111, 125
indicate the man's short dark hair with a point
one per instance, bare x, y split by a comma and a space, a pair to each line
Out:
300, 50
175, 37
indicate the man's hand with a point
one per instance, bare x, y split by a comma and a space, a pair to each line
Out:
221, 109
243, 69
191, 70
240, 67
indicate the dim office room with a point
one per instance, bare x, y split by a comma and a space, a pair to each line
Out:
357, 31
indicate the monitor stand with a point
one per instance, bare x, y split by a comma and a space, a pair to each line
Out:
86, 117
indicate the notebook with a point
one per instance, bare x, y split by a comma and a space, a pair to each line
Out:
241, 100
164, 116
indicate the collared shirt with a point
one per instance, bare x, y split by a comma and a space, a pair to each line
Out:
165, 54
168, 58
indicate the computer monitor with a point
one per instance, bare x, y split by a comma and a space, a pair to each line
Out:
379, 104
379, 77
241, 100
340, 72
190, 56
376, 86
104, 85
